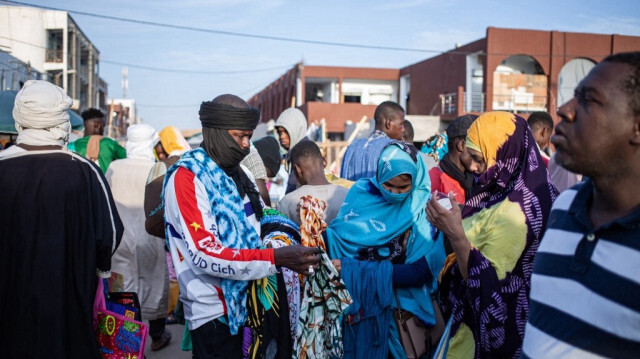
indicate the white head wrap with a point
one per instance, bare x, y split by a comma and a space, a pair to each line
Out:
41, 112
140, 142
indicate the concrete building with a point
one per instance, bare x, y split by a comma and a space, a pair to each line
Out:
13, 72
53, 44
336, 94
122, 114
512, 70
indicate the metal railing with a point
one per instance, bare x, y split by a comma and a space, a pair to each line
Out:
53, 55
448, 103
477, 102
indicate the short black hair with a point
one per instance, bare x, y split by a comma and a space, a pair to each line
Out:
384, 110
540, 119
408, 131
91, 114
305, 149
631, 84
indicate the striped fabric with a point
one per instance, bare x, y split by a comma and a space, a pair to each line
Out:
585, 293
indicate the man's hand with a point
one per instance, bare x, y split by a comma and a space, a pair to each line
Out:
298, 258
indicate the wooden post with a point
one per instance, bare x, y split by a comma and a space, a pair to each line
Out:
351, 139
110, 119
323, 123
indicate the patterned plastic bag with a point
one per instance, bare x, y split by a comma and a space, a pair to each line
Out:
118, 336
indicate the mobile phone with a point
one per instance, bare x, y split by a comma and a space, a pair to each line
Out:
444, 200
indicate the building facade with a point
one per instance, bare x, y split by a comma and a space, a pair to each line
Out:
53, 44
13, 72
513, 70
338, 95
122, 114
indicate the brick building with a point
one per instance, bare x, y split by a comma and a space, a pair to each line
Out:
512, 70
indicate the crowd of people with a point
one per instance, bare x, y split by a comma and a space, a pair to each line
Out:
487, 242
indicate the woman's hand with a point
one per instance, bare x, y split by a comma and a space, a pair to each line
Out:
449, 221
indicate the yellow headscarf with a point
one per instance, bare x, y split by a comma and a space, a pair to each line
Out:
173, 142
489, 132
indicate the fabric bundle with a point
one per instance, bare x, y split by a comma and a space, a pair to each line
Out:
325, 295
279, 231
325, 299
41, 114
312, 221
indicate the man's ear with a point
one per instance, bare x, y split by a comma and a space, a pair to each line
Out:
297, 170
635, 137
324, 162
460, 146
387, 123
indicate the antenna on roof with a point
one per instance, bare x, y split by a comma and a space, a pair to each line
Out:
125, 81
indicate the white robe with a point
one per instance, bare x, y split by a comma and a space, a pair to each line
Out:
141, 257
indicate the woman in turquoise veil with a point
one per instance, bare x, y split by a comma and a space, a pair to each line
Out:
383, 219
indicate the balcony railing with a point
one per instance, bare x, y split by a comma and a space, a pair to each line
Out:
53, 55
477, 102
449, 103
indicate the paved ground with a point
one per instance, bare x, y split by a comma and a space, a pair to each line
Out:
173, 350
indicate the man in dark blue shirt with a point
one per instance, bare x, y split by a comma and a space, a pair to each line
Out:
586, 278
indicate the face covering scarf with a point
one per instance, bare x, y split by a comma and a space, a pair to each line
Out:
216, 120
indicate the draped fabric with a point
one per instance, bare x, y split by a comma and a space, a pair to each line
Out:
141, 258
41, 112
361, 158
279, 231
369, 219
227, 117
59, 228
217, 119
227, 154
436, 146
173, 141
366, 326
451, 169
504, 218
294, 122
325, 298
141, 139
238, 234
269, 151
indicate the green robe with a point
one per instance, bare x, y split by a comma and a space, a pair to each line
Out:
110, 151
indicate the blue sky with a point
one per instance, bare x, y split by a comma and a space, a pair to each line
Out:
173, 99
